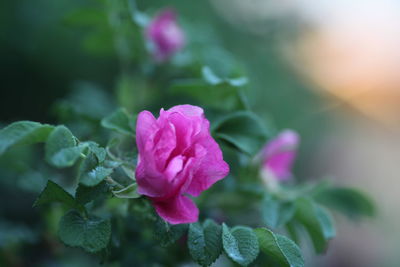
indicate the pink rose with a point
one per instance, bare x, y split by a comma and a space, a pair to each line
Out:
165, 35
278, 155
177, 157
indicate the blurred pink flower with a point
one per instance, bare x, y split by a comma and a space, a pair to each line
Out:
177, 156
165, 35
278, 154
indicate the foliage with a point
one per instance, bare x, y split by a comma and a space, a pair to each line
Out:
89, 197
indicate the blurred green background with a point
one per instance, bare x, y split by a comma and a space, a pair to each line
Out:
50, 48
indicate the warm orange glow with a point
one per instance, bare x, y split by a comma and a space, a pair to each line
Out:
357, 60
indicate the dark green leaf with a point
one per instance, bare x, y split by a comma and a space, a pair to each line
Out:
279, 249
85, 194
127, 192
112, 164
276, 212
119, 121
240, 244
221, 96
243, 130
98, 151
91, 173
293, 231
55, 193
23, 133
167, 234
317, 221
90, 234
204, 242
86, 100
61, 149
350, 202
95, 176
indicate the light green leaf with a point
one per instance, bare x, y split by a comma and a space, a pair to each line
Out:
349, 201
279, 249
67, 157
23, 133
85, 194
95, 176
129, 171
317, 221
119, 121
276, 213
167, 234
91, 234
243, 130
127, 192
204, 242
210, 77
55, 193
240, 244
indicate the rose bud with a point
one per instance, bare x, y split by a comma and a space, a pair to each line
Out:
165, 35
278, 156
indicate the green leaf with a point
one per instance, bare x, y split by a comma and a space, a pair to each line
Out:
279, 249
243, 130
276, 213
210, 77
127, 192
119, 121
55, 193
221, 96
317, 221
240, 244
86, 194
95, 176
212, 90
91, 173
350, 202
167, 234
87, 101
204, 242
61, 150
292, 230
67, 157
91, 234
23, 133
112, 164
98, 151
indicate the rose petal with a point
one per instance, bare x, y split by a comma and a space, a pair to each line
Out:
187, 110
212, 169
174, 167
180, 209
146, 126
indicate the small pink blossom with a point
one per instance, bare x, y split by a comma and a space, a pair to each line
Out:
279, 154
177, 157
165, 35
